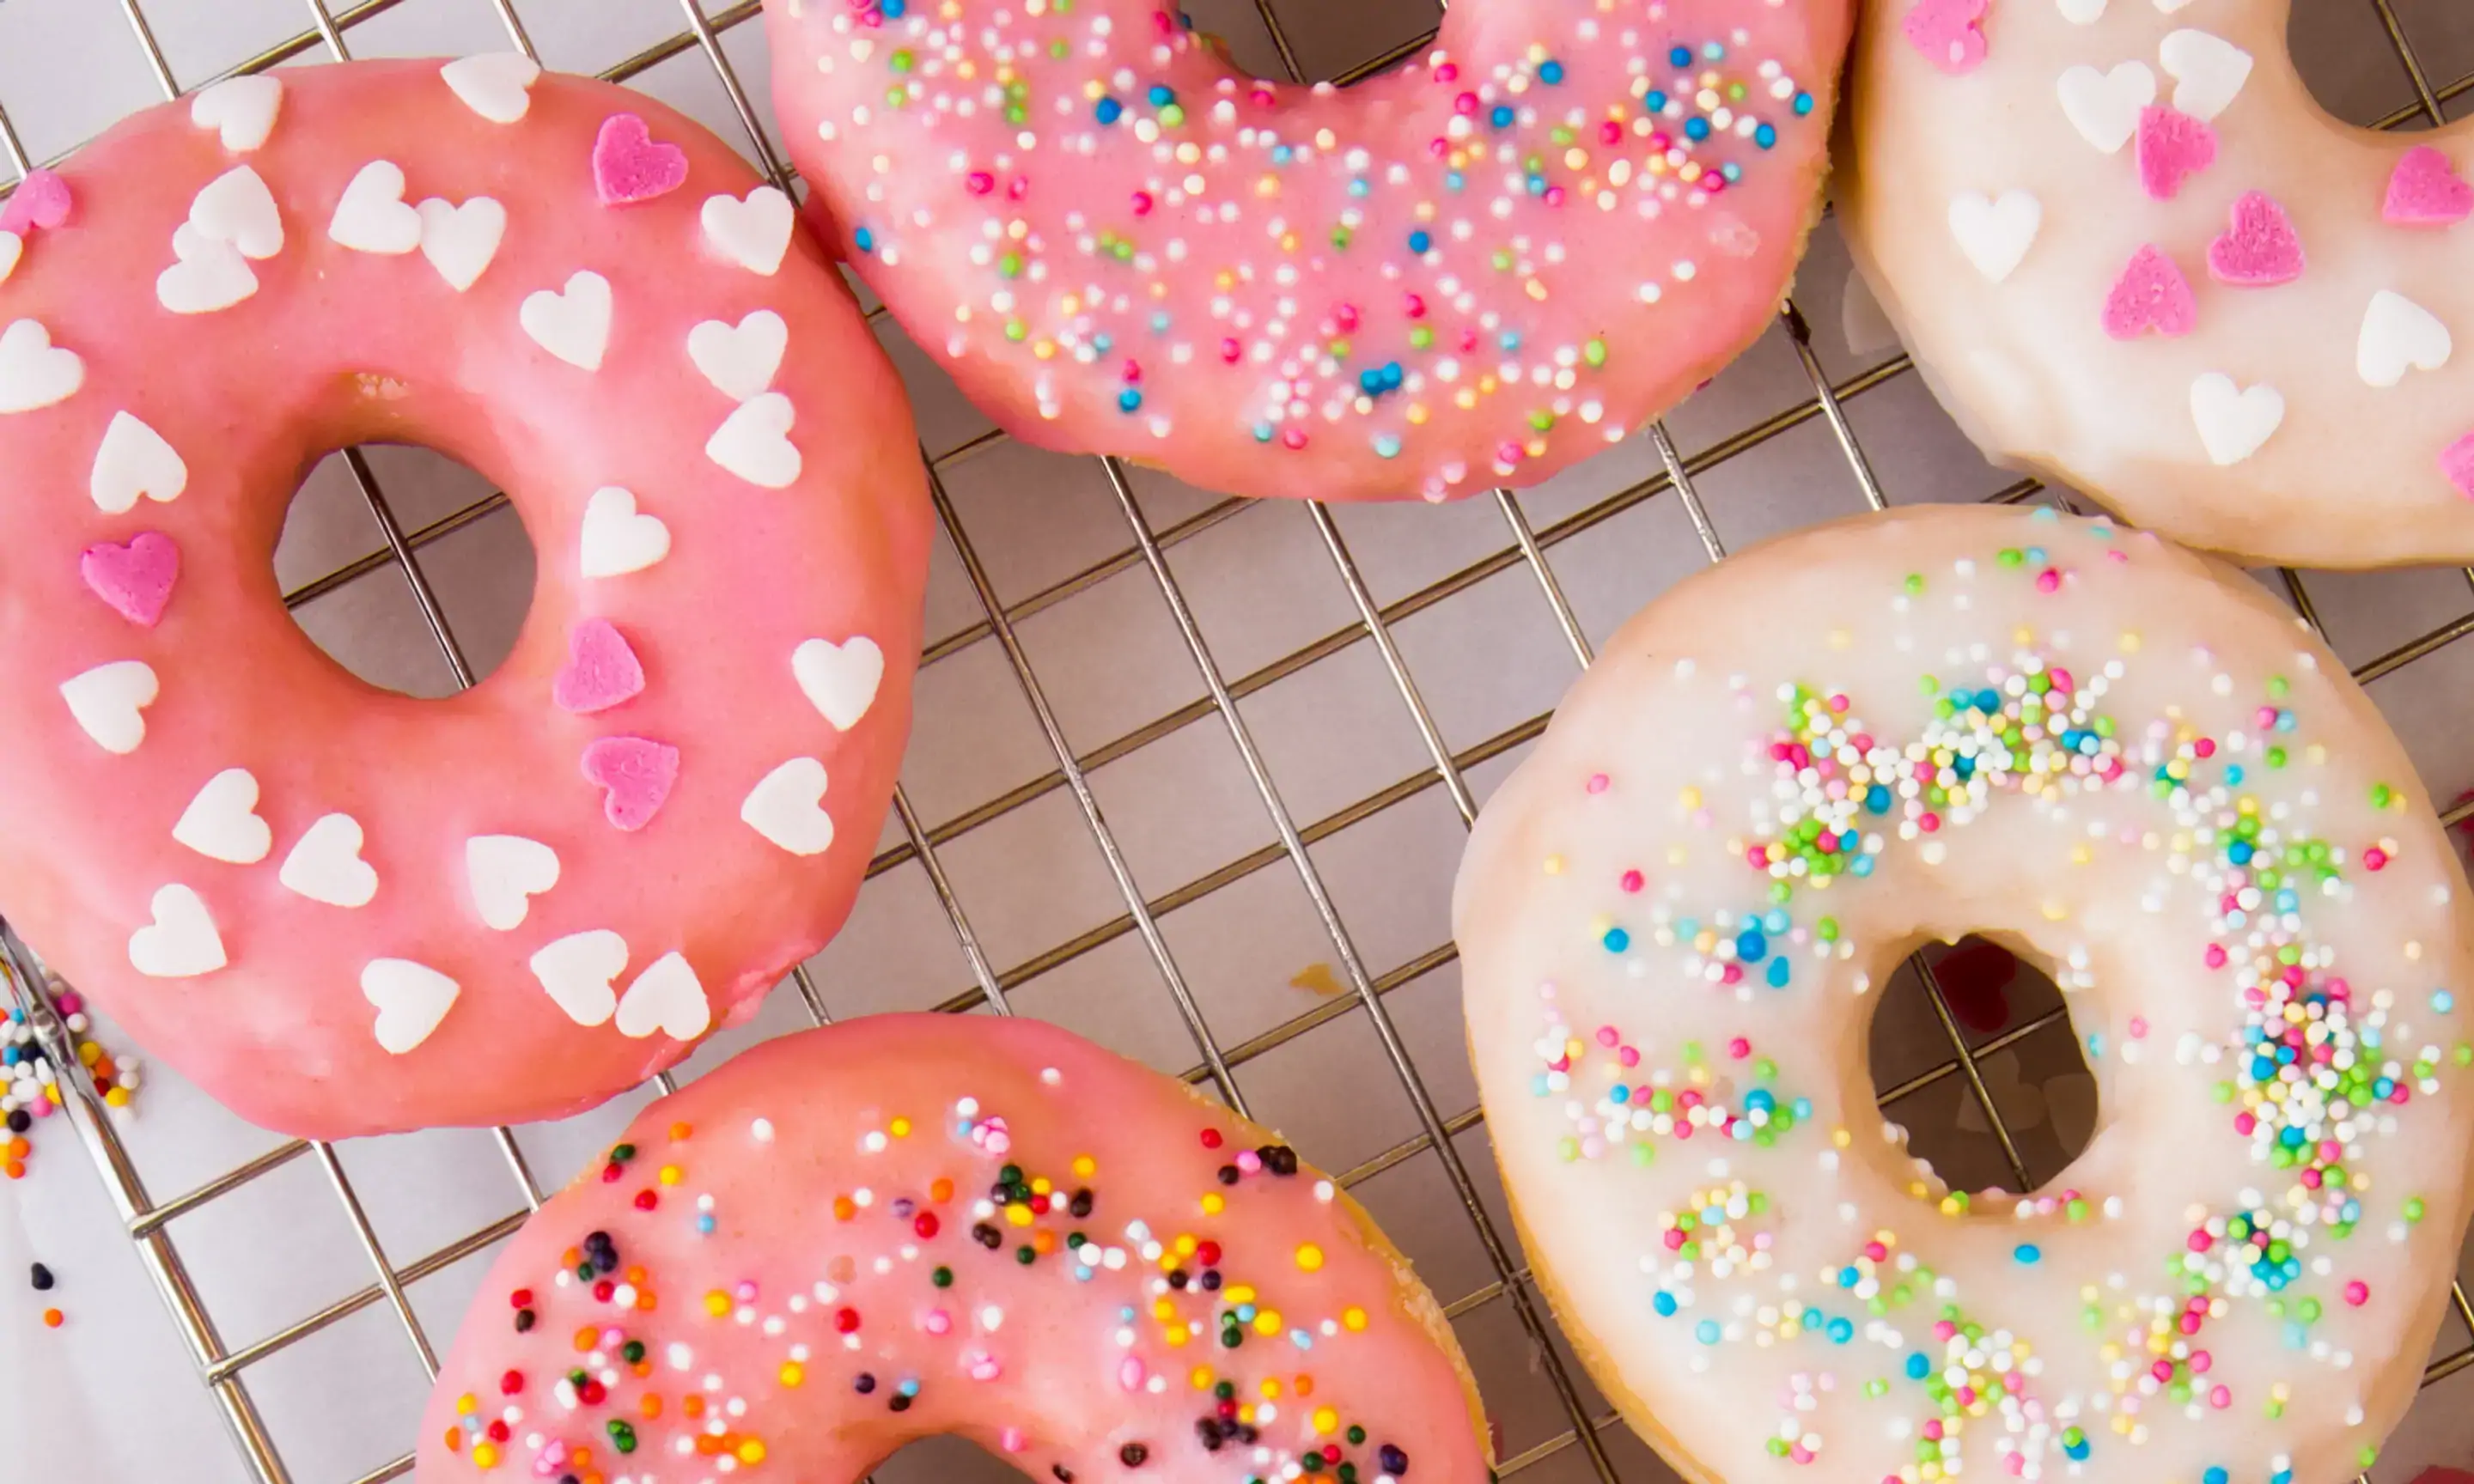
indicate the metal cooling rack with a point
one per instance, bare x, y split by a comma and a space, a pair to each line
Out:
224, 1368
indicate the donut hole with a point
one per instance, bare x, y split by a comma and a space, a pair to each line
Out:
344, 587
2002, 1002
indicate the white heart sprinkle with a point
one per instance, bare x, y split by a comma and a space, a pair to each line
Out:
12, 248
788, 807
2169, 7
35, 372
2398, 334
577, 970
211, 274
506, 871
2208, 71
373, 216
740, 362
180, 943
616, 540
327, 865
237, 208
411, 999
241, 110
572, 325
462, 241
1996, 234
222, 823
2082, 12
666, 997
754, 443
108, 702
2234, 421
498, 85
755, 234
840, 679
132, 461
2105, 107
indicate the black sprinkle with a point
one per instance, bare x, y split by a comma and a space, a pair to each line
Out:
864, 1385
1228, 1175
899, 1403
1248, 1434
987, 1236
1064, 1475
43, 1279
19, 1121
1177, 1279
1207, 1428
904, 1207
1396, 1463
1211, 1280
1081, 1205
1132, 1454
1282, 1160
525, 1320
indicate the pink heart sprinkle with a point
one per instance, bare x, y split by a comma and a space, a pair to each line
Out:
628, 166
2425, 191
2260, 250
2457, 464
601, 671
136, 579
2150, 294
41, 199
2172, 147
638, 773
1946, 32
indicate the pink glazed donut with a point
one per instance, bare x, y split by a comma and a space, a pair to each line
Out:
910, 1225
342, 910
1474, 270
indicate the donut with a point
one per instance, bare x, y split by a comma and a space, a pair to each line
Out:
906, 1225
2132, 254
1473, 271
342, 910
2118, 760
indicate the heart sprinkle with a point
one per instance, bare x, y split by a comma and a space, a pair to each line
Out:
1949, 33
637, 774
601, 671
40, 203
2172, 147
629, 165
2260, 250
2424, 190
2150, 294
136, 578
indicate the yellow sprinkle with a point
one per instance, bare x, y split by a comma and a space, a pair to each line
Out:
2128, 644
1176, 1337
1271, 1390
1267, 1322
671, 1174
1241, 1293
1554, 865
1689, 799
1164, 1311
751, 1452
1353, 1318
485, 1455
1201, 1377
900, 1127
1084, 1167
2056, 912
1043, 1186
792, 1372
467, 1405
1325, 1420
1213, 1205
717, 1303
1841, 1139
1018, 1214
1186, 1244
1310, 1257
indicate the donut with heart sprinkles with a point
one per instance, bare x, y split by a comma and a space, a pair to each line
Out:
2132, 254
902, 1226
343, 910
1679, 918
1483, 266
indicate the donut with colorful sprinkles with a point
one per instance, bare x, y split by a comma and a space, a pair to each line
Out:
2132, 254
1525, 243
342, 910
2124, 763
910, 1225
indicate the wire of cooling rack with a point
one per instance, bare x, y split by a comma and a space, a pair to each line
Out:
223, 1367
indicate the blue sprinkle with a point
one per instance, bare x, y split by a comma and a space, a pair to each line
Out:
2027, 1253
1802, 104
1550, 72
1619, 1094
1664, 1302
1128, 400
1387, 446
1681, 57
1878, 798
1453, 180
2281, 1476
1848, 1278
909, 1388
1803, 1108
1696, 129
1918, 1367
2295, 1336
1862, 866
1108, 110
1617, 940
2078, 1451
1262, 432
1419, 242
1776, 973
704, 1225
1360, 188
1760, 1100
2239, 852
1812, 1319
893, 10
1161, 95
1713, 50
2233, 773
2216, 1476
863, 240
2442, 1002
1765, 136
1732, 171
1656, 99
1842, 1331
1706, 1331
1501, 117
1751, 946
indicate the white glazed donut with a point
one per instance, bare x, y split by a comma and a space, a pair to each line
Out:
1783, 778
2131, 253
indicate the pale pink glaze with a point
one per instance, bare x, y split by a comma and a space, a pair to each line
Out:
840, 1171
338, 347
1574, 281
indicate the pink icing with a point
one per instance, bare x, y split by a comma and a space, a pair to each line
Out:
602, 670
637, 774
1949, 33
41, 199
283, 1033
136, 578
2259, 249
2150, 294
1474, 270
852, 1286
2172, 147
2457, 461
2425, 190
628, 165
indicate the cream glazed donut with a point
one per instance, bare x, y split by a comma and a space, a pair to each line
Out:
2117, 758
1477, 269
2132, 254
908, 1225
343, 910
